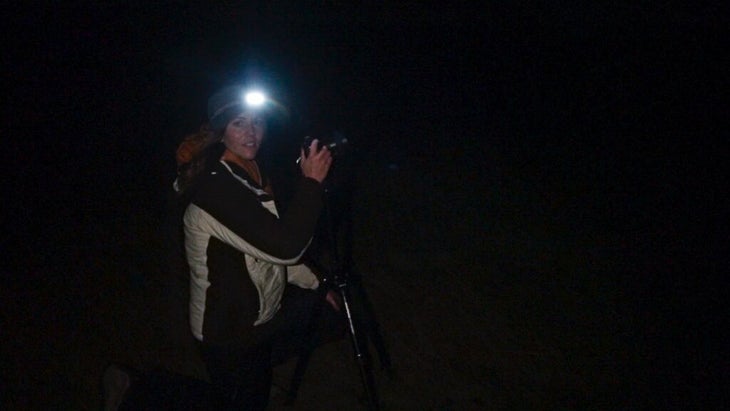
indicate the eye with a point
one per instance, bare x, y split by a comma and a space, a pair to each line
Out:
248, 122
241, 122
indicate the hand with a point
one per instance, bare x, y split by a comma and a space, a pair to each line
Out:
318, 163
333, 299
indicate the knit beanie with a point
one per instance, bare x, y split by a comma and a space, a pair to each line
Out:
224, 106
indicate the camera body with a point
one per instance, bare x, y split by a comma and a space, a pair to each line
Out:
334, 145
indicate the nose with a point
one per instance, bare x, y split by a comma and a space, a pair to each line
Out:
249, 127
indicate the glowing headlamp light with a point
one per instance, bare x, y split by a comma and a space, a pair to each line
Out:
254, 99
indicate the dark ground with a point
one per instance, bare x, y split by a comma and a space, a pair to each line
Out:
536, 209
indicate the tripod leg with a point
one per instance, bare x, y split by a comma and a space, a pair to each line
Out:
361, 356
359, 345
373, 328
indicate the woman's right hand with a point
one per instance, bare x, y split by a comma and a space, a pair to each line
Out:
318, 163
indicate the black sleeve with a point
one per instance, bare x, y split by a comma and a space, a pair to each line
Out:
236, 207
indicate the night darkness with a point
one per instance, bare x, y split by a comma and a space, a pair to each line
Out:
535, 191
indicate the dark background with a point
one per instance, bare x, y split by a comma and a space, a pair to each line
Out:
605, 120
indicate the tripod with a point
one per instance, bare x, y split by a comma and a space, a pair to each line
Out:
347, 286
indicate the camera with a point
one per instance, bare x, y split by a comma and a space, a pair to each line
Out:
335, 145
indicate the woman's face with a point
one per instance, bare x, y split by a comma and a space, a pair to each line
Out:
243, 135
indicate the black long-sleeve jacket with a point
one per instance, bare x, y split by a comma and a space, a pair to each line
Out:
237, 249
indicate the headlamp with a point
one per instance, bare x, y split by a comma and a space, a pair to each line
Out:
254, 98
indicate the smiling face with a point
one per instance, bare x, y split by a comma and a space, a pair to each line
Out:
244, 134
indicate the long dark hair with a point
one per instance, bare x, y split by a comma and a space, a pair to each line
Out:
190, 172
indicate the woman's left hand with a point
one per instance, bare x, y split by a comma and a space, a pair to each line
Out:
333, 299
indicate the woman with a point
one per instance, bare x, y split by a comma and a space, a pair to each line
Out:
242, 254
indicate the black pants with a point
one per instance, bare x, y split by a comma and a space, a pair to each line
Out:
242, 374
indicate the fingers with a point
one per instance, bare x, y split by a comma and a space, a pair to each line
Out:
317, 164
316, 150
314, 147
